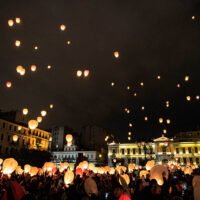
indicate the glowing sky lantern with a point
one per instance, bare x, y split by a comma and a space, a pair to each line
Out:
62, 27
8, 84
86, 73
68, 42
10, 22
164, 131
91, 166
19, 68
27, 168
36, 47
128, 87
142, 108
22, 72
130, 125
129, 133
17, 20
9, 166
33, 124
51, 106
160, 120
178, 85
33, 171
112, 84
68, 177
15, 138
123, 178
50, 139
116, 54
33, 68
17, 43
129, 138
63, 166
197, 97
19, 128
135, 94
145, 118
150, 164
49, 67
79, 73
43, 113
168, 121
193, 17
141, 84
25, 111
69, 138
187, 78
1, 161
158, 77
188, 98
143, 173
39, 119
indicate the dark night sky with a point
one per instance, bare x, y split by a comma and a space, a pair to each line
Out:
153, 37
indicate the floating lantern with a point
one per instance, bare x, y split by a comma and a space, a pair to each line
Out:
49, 166
36, 47
116, 54
49, 67
125, 178
33, 124
25, 111
141, 84
43, 113
39, 119
131, 167
86, 73
150, 164
33, 171
8, 84
19, 170
69, 177
168, 121
188, 98
10, 22
62, 27
51, 106
187, 78
17, 20
50, 139
27, 168
160, 120
19, 69
91, 166
79, 73
33, 68
112, 171
68, 42
9, 166
17, 43
15, 138
79, 172
69, 138
158, 77
1, 161
112, 84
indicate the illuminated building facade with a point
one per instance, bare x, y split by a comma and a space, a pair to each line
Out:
183, 148
15, 136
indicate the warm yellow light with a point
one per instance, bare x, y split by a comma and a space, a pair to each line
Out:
164, 131
168, 121
68, 42
135, 94
36, 47
116, 54
146, 118
129, 133
129, 138
112, 84
142, 84
51, 106
69, 138
50, 139
188, 98
25, 111
49, 67
130, 124
43, 113
187, 78
158, 77
100, 156
128, 87
19, 128
86, 73
142, 107
15, 138
193, 17
33, 124
197, 97
39, 119
17, 20
17, 43
62, 27
178, 85
160, 120
33, 68
79, 73
10, 22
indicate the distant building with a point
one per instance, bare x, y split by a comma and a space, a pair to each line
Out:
183, 148
15, 136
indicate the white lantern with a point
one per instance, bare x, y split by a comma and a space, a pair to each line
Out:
116, 54
62, 27
86, 73
33, 124
15, 138
17, 20
9, 84
43, 113
25, 111
79, 73
10, 22
17, 43
33, 68
69, 138
39, 119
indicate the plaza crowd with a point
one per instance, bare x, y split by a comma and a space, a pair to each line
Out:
46, 186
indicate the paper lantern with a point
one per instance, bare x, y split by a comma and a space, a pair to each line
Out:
19, 170
187, 78
10, 22
188, 170
33, 124
40, 171
69, 144
8, 84
19, 68
86, 73
143, 173
157, 173
17, 43
15, 138
43, 113
106, 169
112, 84
62, 27
69, 138
112, 171
25, 111
116, 54
49, 67
131, 167
9, 166
39, 119
33, 171
22, 72
79, 73
90, 187
17, 20
33, 68
36, 47
100, 170
91, 166
150, 164
79, 171
168, 121
68, 42
1, 161
188, 98
68, 177
63, 166
125, 178
27, 168
51, 106
160, 120
49, 166
84, 165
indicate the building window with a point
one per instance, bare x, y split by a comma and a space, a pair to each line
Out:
191, 160
128, 151
8, 138
6, 151
1, 137
196, 149
4, 125
183, 149
133, 151
189, 149
177, 150
113, 151
197, 160
122, 151
184, 160
15, 128
139, 150
91, 156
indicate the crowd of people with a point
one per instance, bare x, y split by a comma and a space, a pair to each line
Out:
177, 186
